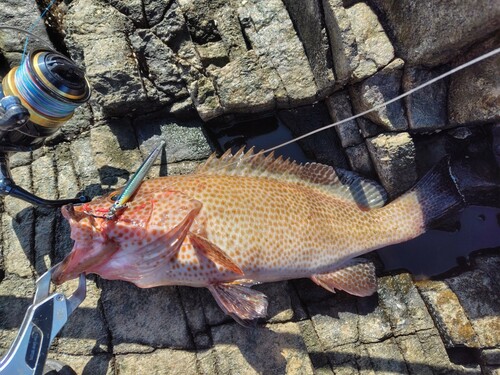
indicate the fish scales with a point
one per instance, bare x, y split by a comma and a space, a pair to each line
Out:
278, 230
247, 218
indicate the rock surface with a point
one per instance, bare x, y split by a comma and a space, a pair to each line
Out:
156, 68
433, 33
359, 44
474, 93
377, 89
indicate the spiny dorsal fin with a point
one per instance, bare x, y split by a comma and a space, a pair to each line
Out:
346, 185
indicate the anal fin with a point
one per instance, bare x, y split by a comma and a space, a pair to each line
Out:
240, 302
357, 277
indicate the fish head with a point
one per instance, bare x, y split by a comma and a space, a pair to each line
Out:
90, 231
111, 246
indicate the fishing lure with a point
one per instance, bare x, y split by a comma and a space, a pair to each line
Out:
133, 184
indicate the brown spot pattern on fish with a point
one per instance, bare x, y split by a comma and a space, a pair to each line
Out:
240, 220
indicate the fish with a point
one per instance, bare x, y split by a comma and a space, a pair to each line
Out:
247, 218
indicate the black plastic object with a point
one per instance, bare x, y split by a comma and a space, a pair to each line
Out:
24, 123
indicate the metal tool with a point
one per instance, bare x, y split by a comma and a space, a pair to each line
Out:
43, 320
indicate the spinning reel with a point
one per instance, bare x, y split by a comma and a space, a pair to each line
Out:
36, 99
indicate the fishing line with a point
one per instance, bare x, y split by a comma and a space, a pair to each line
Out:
22, 31
30, 87
405, 94
32, 27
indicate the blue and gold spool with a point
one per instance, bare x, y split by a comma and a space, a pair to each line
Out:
49, 85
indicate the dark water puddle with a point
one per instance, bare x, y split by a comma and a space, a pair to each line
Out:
431, 254
438, 251
261, 133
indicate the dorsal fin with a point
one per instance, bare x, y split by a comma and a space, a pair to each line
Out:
346, 185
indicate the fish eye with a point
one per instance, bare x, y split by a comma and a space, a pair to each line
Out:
114, 197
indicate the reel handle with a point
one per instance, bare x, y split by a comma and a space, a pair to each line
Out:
9, 187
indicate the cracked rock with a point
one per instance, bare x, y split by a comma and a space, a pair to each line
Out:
150, 317
394, 158
308, 21
378, 89
432, 33
160, 69
255, 351
474, 92
340, 109
426, 108
161, 361
23, 15
272, 35
449, 315
359, 44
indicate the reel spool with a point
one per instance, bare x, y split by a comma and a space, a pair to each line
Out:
36, 99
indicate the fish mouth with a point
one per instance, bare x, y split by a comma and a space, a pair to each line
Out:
62, 271
69, 213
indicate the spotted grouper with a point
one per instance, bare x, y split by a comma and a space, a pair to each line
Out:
248, 218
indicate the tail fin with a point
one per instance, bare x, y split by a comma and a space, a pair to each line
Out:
438, 193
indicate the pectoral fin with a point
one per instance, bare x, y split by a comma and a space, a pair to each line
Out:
240, 302
213, 253
138, 263
357, 278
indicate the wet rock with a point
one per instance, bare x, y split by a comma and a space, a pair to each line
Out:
379, 88
491, 356
476, 292
426, 108
308, 21
432, 34
336, 321
359, 160
280, 306
272, 36
403, 305
18, 223
367, 128
394, 157
340, 109
256, 351
149, 317
359, 44
81, 122
318, 358
195, 317
162, 361
155, 11
67, 181
133, 9
84, 165
450, 318
324, 146
474, 95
